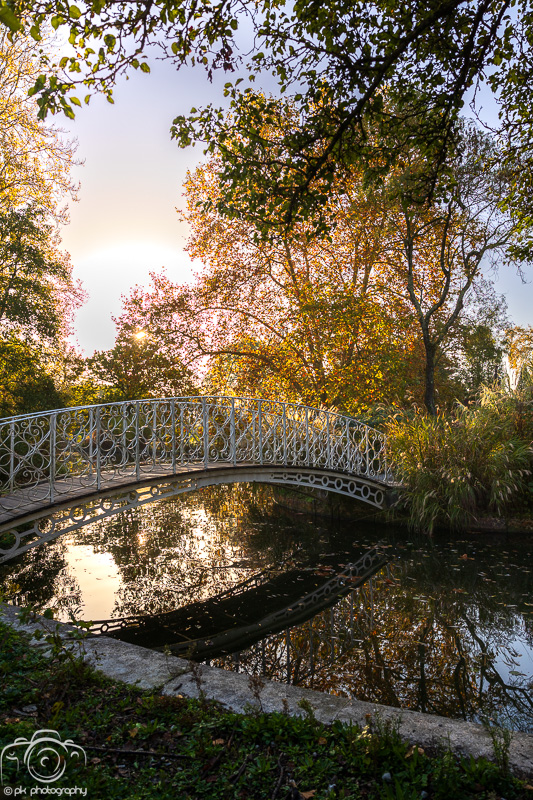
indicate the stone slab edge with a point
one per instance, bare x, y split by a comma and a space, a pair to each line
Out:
172, 676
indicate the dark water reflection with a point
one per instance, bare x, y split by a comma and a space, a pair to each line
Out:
447, 627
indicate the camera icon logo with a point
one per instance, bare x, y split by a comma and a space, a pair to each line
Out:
45, 756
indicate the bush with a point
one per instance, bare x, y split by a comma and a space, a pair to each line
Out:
457, 466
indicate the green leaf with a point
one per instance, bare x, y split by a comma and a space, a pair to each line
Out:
8, 19
145, 67
74, 12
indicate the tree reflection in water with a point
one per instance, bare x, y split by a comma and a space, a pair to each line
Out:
447, 628
412, 640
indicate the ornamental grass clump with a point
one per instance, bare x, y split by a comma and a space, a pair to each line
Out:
457, 467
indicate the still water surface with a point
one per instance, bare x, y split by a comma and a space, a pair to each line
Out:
446, 627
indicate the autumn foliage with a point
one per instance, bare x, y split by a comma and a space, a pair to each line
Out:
371, 314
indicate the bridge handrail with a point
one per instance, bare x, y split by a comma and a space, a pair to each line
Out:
46, 451
51, 411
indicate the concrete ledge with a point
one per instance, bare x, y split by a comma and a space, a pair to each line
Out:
171, 676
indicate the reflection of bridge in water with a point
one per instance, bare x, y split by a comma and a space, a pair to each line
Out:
265, 603
55, 463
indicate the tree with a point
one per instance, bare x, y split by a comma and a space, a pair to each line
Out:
34, 159
37, 293
25, 382
443, 247
338, 59
481, 359
368, 315
304, 319
519, 347
138, 366
334, 320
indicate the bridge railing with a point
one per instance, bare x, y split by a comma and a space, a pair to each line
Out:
48, 455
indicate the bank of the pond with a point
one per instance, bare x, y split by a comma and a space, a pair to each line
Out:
315, 503
154, 727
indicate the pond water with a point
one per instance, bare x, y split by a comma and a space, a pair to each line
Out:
445, 627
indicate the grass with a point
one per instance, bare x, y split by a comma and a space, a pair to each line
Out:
141, 745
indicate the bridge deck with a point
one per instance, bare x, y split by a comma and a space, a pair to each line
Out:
35, 501
24, 503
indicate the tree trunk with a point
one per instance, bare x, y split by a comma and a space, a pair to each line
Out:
429, 394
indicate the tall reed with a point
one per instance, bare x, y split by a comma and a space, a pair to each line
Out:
456, 467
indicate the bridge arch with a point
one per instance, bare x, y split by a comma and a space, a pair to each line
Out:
54, 461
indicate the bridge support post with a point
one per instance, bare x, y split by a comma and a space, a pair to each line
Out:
260, 430
53, 420
348, 465
12, 457
154, 437
206, 433
232, 433
137, 442
328, 440
182, 439
307, 454
98, 451
285, 434
91, 439
123, 458
173, 433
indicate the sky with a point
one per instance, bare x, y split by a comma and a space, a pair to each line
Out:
124, 224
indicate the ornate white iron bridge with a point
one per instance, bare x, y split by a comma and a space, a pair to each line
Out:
61, 469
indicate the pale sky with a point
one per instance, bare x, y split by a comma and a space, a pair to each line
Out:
125, 225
